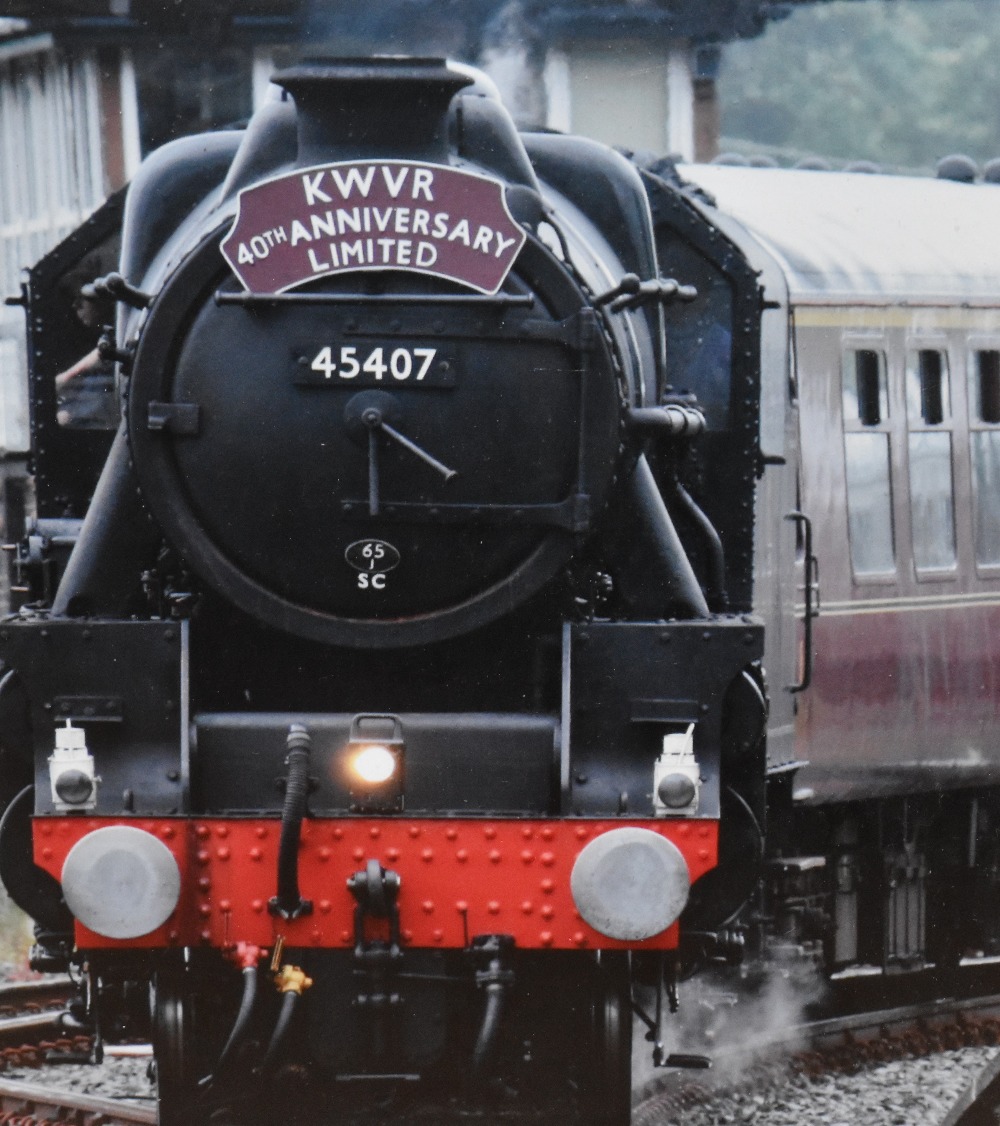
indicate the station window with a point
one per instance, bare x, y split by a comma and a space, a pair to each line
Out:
867, 460
984, 421
190, 92
932, 494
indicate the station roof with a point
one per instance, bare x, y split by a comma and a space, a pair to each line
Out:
114, 19
849, 237
685, 19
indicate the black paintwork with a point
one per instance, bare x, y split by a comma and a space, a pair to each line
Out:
714, 350
631, 684
67, 462
472, 764
166, 188
121, 681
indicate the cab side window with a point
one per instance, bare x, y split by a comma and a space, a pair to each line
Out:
866, 450
984, 444
932, 495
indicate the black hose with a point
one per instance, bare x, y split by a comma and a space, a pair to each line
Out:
288, 903
240, 1025
288, 1003
495, 995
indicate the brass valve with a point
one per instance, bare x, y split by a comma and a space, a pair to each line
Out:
291, 979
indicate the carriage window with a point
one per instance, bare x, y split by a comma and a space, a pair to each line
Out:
986, 495
984, 447
869, 503
931, 501
866, 451
986, 392
866, 396
932, 490
927, 392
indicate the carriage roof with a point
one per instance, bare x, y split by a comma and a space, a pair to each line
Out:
854, 238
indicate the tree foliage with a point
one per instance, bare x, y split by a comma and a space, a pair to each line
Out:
901, 82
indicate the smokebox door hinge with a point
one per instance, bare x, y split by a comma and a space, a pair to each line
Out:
177, 418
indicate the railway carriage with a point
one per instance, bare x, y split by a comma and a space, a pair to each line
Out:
893, 321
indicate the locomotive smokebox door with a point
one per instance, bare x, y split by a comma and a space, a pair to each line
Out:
387, 454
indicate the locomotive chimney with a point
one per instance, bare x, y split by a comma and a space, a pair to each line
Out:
371, 108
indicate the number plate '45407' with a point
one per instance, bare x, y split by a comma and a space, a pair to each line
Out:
373, 365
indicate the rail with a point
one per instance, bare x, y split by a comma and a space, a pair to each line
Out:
979, 1102
48, 1106
847, 1044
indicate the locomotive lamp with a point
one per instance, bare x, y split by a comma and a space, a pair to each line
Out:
71, 771
374, 760
676, 776
374, 764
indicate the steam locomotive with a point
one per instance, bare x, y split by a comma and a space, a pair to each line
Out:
419, 505
382, 705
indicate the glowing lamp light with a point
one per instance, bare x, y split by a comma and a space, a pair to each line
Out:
374, 764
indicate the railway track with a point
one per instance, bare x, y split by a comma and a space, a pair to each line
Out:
36, 1104
31, 1032
20, 997
843, 1045
33, 1025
